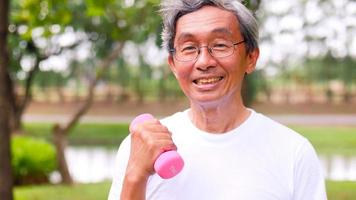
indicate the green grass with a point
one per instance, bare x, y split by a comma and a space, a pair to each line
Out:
343, 190
330, 140
99, 191
84, 133
326, 140
95, 191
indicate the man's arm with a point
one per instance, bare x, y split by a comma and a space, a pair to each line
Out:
147, 141
121, 161
134, 188
308, 175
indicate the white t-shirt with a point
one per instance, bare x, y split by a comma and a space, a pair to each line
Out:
259, 160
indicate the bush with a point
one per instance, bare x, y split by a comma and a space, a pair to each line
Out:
32, 160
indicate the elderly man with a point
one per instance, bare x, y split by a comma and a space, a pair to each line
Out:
230, 151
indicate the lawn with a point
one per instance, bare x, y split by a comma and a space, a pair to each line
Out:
330, 140
326, 140
99, 191
341, 190
84, 133
95, 191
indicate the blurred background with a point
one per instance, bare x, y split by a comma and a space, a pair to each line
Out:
80, 70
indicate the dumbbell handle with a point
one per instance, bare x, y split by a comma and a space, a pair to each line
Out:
169, 163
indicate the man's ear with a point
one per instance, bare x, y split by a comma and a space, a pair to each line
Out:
172, 64
252, 60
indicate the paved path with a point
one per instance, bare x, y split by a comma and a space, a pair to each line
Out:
337, 119
333, 119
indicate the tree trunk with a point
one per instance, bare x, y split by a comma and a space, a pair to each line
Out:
139, 91
123, 96
247, 91
347, 94
16, 122
61, 132
329, 94
18, 104
60, 141
6, 178
61, 95
109, 96
287, 95
162, 90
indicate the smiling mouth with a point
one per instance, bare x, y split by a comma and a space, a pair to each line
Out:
205, 81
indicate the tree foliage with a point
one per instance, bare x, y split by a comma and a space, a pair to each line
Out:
317, 37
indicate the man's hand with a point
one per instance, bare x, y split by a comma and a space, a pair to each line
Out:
148, 140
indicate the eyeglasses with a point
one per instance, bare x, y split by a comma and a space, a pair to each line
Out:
218, 49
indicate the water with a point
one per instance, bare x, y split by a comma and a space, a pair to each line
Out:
89, 164
95, 164
338, 167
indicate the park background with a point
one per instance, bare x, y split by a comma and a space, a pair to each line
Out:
79, 71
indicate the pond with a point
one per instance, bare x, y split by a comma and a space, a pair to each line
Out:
95, 164
339, 167
89, 164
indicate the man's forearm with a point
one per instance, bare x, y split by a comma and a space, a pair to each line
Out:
134, 188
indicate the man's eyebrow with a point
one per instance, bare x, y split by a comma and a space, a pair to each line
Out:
222, 30
185, 35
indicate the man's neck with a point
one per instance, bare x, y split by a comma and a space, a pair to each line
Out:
219, 117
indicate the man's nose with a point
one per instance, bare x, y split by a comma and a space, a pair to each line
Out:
205, 60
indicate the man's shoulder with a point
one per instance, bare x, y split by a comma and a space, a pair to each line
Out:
274, 129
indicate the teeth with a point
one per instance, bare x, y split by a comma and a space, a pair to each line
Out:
208, 80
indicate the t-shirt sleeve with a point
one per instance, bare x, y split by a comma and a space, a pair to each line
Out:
308, 175
121, 160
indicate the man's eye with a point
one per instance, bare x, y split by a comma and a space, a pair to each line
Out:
220, 46
188, 48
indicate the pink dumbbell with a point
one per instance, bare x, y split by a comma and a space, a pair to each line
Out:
169, 163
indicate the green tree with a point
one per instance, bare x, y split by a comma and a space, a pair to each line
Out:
348, 76
112, 23
300, 35
107, 25
31, 27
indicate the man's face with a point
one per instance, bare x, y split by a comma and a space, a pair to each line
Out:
208, 79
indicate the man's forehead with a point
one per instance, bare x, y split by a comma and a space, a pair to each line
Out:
207, 21
217, 31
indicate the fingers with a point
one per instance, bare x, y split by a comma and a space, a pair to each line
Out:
154, 136
148, 140
153, 125
161, 145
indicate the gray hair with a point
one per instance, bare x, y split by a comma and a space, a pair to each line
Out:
172, 10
